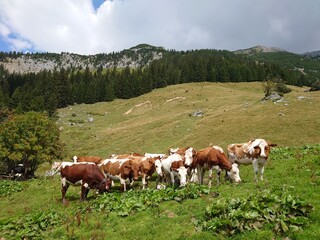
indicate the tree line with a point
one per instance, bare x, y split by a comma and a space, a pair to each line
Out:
49, 90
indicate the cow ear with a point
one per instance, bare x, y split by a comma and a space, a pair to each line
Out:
272, 144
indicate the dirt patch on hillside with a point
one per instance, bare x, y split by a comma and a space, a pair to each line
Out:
175, 99
139, 108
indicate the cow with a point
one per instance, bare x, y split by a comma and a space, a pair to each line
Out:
255, 152
88, 175
173, 167
95, 159
120, 169
20, 172
210, 158
187, 153
147, 166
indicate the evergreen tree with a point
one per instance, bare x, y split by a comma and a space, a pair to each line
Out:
109, 83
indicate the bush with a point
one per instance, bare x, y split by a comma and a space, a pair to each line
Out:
29, 139
278, 86
315, 86
281, 88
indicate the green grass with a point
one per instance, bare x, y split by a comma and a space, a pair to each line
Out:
232, 113
295, 169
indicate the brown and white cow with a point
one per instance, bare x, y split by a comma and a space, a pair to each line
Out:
255, 152
95, 159
147, 166
214, 158
88, 175
173, 167
188, 154
120, 169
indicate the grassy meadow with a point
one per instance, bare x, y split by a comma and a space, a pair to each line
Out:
231, 113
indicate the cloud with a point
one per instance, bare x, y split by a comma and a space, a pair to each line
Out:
79, 26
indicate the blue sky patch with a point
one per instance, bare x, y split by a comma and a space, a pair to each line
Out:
97, 3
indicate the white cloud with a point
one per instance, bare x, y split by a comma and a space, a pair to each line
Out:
4, 30
75, 26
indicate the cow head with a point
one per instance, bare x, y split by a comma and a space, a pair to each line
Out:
234, 173
105, 185
173, 150
190, 155
179, 168
260, 148
182, 173
158, 166
135, 169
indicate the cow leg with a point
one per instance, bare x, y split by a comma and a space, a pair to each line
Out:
255, 169
172, 179
158, 182
218, 173
261, 171
200, 174
123, 185
210, 177
64, 188
226, 177
194, 175
84, 191
144, 181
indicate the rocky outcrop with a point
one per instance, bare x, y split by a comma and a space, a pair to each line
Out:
140, 55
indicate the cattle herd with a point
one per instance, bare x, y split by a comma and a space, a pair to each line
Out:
180, 166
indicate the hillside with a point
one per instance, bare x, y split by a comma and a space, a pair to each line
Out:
229, 113
306, 63
258, 49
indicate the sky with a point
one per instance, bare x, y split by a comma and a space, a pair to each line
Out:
105, 26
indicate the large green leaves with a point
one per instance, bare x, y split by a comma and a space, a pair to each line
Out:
282, 211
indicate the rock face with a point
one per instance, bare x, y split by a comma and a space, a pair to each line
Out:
258, 49
140, 55
274, 96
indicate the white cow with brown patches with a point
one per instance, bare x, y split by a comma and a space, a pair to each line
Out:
255, 152
173, 167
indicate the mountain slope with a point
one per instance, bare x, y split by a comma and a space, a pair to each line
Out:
231, 112
258, 49
296, 62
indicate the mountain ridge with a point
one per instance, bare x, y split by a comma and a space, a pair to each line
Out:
134, 57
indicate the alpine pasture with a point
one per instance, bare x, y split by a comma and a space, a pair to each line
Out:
226, 113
